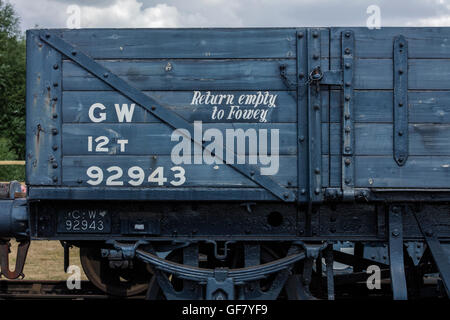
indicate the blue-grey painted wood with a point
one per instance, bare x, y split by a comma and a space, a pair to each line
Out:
418, 172
219, 74
76, 106
422, 42
185, 43
212, 74
376, 139
376, 106
148, 194
197, 175
155, 138
43, 113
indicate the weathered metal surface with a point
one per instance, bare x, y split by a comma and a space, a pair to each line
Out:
347, 128
397, 264
400, 104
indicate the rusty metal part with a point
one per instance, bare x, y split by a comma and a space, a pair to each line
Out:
114, 281
22, 251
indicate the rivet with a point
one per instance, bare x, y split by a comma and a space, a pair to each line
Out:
55, 147
315, 34
317, 170
401, 44
347, 149
300, 35
316, 107
347, 161
347, 129
347, 98
55, 84
289, 183
400, 104
303, 191
400, 133
301, 75
395, 233
348, 84
55, 98
80, 181
347, 65
55, 66
286, 195
153, 108
252, 173
315, 56
105, 75
429, 233
54, 131
347, 116
347, 34
347, 180
55, 178
55, 115
347, 50
54, 165
317, 191
47, 35
302, 138
74, 53
400, 71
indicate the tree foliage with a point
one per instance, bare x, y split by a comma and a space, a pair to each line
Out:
12, 80
12, 93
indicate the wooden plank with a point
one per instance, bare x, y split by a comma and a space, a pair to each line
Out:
149, 194
422, 42
155, 138
184, 43
423, 74
76, 106
197, 175
376, 139
212, 74
376, 106
12, 163
43, 113
418, 172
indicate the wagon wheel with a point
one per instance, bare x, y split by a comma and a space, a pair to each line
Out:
118, 282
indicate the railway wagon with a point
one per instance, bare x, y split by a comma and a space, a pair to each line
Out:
237, 163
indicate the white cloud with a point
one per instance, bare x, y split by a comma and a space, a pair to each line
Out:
231, 13
130, 14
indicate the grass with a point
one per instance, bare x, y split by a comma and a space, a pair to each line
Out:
45, 260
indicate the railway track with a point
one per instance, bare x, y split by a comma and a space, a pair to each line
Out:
48, 289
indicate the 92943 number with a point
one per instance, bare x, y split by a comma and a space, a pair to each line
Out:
135, 176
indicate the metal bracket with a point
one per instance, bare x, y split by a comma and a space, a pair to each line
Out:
314, 119
400, 133
398, 279
22, 251
348, 136
157, 109
439, 256
221, 286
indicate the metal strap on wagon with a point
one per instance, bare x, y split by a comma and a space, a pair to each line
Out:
157, 109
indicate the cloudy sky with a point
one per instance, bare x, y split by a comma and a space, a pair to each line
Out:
228, 13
